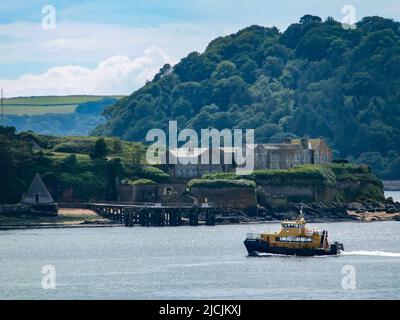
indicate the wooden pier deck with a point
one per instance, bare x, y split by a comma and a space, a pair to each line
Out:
152, 214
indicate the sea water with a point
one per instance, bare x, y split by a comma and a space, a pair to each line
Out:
196, 263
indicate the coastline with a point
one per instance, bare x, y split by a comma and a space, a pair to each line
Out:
67, 218
362, 211
115, 225
353, 216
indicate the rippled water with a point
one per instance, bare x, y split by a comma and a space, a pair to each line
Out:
194, 263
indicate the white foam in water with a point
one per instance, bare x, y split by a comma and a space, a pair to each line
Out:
342, 253
370, 253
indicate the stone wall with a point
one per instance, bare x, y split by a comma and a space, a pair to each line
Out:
14, 209
303, 193
272, 201
237, 198
158, 193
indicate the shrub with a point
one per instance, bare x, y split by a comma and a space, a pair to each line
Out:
100, 149
142, 182
151, 173
226, 176
302, 175
221, 183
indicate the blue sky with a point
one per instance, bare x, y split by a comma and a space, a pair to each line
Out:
113, 47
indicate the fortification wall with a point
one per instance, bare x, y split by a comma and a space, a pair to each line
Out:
162, 193
238, 198
302, 193
14, 209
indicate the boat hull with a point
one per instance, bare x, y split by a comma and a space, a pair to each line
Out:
256, 246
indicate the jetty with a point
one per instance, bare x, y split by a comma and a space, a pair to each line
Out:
151, 214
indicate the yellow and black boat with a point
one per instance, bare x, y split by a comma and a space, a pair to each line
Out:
293, 239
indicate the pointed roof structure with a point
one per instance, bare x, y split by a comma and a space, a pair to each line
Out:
37, 192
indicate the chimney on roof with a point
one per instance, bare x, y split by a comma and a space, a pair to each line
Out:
304, 142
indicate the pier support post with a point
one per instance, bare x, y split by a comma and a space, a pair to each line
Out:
194, 218
175, 218
210, 218
128, 217
144, 218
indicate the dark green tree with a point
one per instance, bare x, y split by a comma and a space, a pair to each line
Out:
100, 149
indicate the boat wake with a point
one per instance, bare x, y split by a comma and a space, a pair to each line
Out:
370, 253
263, 254
342, 253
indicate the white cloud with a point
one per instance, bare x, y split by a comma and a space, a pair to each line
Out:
90, 58
82, 43
116, 75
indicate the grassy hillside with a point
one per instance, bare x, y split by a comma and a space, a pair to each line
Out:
61, 147
46, 104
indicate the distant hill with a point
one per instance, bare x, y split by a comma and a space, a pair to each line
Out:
47, 104
316, 78
62, 119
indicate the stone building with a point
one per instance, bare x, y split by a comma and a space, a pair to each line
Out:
289, 154
185, 163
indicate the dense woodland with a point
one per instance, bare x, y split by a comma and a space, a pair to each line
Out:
316, 78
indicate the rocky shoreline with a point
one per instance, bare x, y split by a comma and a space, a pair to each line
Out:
318, 212
364, 211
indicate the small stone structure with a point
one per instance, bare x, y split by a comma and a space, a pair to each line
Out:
39, 198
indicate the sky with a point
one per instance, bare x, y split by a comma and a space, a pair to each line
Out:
112, 47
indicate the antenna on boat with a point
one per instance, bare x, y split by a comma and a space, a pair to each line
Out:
301, 211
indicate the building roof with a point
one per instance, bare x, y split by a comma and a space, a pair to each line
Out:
312, 142
189, 153
37, 191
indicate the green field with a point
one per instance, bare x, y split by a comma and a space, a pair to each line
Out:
46, 104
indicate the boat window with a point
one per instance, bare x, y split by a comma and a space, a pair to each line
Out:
291, 225
293, 239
